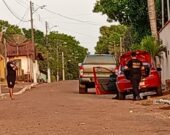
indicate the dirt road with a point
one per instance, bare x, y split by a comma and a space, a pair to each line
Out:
58, 109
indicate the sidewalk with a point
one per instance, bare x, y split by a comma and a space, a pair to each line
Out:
19, 88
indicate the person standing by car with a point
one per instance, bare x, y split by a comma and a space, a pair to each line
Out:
11, 76
135, 72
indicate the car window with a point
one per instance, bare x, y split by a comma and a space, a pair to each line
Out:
104, 59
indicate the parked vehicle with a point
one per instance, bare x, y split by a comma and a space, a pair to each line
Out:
150, 81
86, 76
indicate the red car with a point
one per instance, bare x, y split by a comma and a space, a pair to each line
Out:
150, 81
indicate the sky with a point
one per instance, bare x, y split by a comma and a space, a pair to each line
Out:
71, 17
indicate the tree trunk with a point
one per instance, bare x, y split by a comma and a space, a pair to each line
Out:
152, 18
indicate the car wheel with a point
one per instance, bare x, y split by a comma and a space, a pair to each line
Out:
159, 91
82, 89
121, 95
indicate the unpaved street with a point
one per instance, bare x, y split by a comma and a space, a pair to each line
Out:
58, 109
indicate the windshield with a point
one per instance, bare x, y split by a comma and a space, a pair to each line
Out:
100, 59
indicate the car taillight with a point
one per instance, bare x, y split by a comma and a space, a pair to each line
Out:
81, 71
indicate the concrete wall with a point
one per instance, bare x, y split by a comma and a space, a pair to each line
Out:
164, 35
2, 68
27, 65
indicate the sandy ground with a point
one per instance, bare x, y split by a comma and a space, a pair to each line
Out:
58, 109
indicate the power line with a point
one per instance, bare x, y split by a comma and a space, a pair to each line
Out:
70, 18
23, 16
21, 3
77, 20
13, 12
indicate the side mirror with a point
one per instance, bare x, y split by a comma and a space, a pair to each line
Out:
159, 69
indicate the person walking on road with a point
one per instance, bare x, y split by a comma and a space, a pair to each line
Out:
135, 69
11, 76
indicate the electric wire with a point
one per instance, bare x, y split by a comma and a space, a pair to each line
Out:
21, 4
70, 18
26, 11
61, 15
13, 12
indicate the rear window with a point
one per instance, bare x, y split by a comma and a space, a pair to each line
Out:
100, 59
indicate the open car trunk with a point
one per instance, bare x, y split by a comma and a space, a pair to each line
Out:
150, 77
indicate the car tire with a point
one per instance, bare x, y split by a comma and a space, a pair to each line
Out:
159, 91
121, 95
82, 89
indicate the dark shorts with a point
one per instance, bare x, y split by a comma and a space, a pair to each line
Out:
10, 82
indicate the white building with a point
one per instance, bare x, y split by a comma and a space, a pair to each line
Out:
164, 36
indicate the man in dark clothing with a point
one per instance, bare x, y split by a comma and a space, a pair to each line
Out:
135, 66
11, 76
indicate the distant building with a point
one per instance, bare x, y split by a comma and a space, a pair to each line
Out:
23, 52
164, 36
2, 59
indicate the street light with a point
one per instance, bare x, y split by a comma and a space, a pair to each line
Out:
48, 67
62, 60
32, 38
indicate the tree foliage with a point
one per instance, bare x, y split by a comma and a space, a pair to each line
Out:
9, 29
152, 46
111, 38
128, 12
74, 53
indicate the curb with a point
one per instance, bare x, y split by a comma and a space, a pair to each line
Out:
28, 87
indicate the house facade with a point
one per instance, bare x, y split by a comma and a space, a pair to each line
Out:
2, 60
23, 52
164, 36
2, 68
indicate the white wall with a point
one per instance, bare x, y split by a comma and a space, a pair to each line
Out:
165, 62
27, 66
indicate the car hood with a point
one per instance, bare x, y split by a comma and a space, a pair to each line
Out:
141, 55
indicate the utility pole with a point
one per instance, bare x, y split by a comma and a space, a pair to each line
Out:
57, 63
63, 69
163, 21
33, 42
168, 10
48, 68
120, 49
32, 27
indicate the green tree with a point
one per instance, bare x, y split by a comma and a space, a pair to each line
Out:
73, 54
38, 35
129, 12
10, 29
152, 46
111, 38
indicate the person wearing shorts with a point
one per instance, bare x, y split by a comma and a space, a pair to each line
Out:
11, 76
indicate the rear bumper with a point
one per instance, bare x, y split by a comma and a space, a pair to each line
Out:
147, 84
89, 82
86, 80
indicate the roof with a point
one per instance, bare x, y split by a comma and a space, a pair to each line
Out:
166, 24
22, 49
